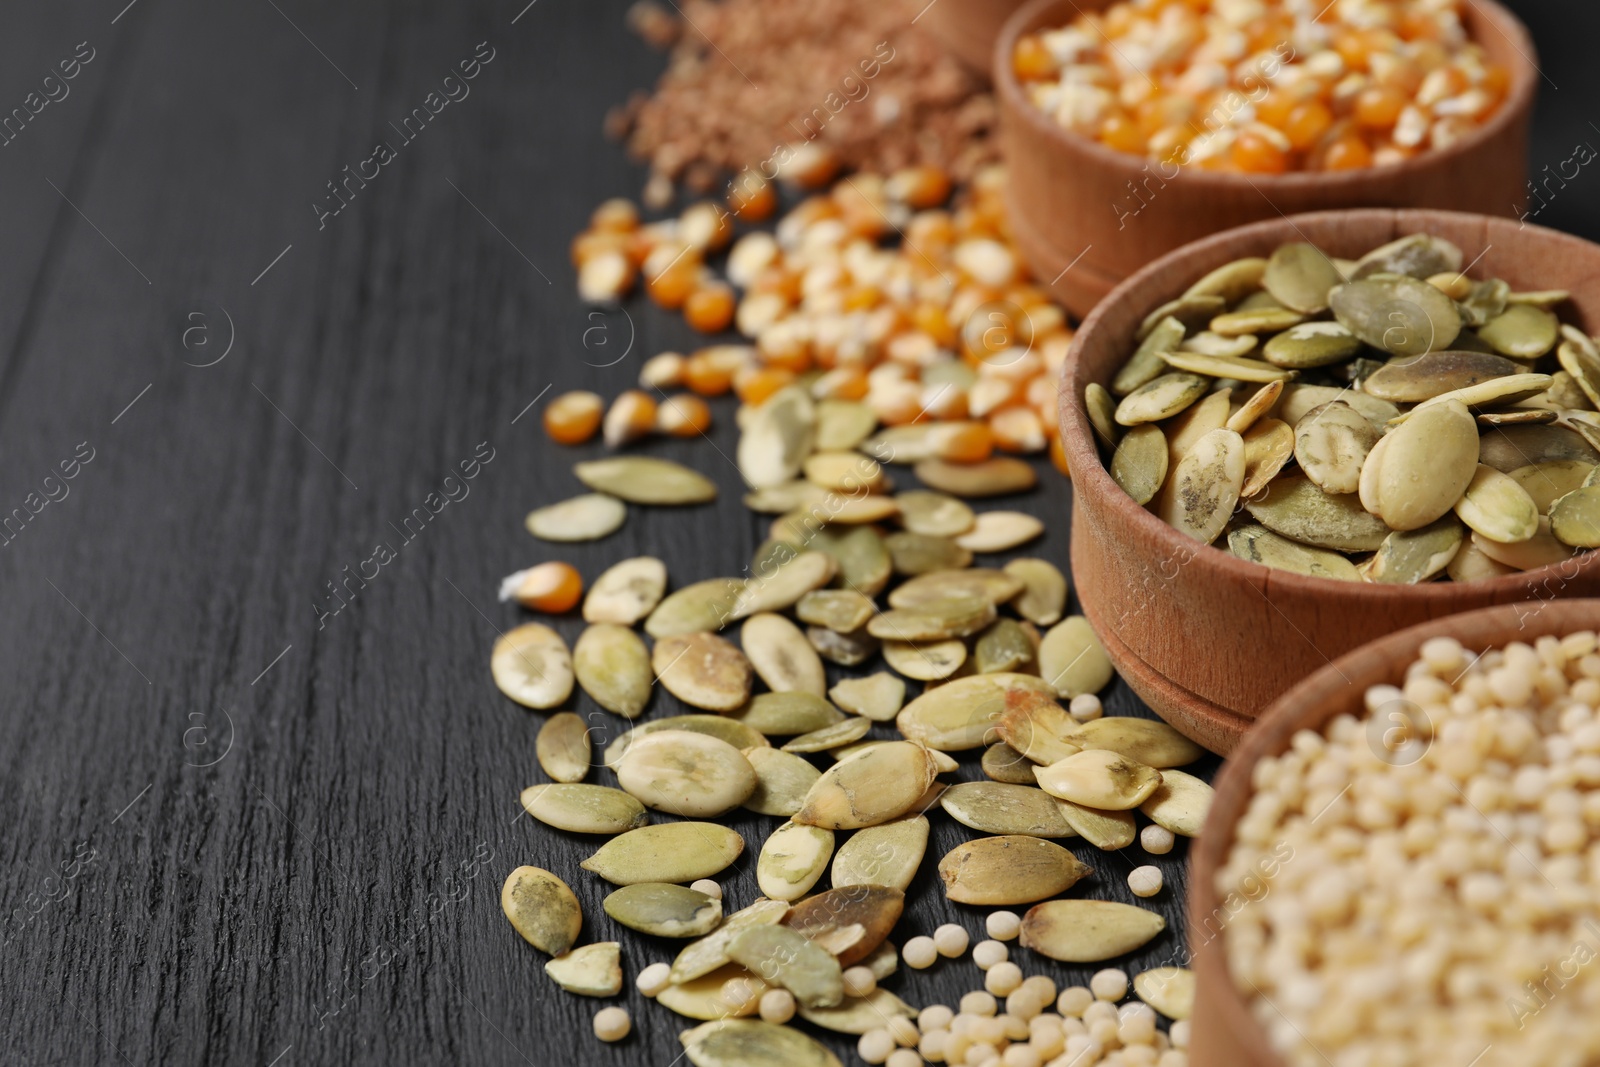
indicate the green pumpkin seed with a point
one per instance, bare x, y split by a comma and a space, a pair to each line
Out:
877, 696
798, 495
847, 650
1000, 531
887, 854
1575, 518
844, 472
874, 909
664, 910
707, 955
703, 606
722, 727
999, 476
782, 781
781, 655
1208, 343
1540, 550
670, 852
1522, 331
752, 1043
862, 560
1004, 808
1206, 486
1294, 507
843, 424
1311, 344
1581, 362
542, 908
1257, 544
843, 610
783, 957
1232, 281
626, 592
1544, 298
792, 859
1088, 931
1140, 463
1411, 379
591, 971
927, 661
1255, 321
688, 774
857, 1015
914, 554
1497, 507
1300, 276
1014, 869
584, 809
646, 480
1169, 990
1587, 423
1299, 399
1218, 366
963, 713
1484, 301
708, 997
1497, 392
1400, 315
1099, 779
1148, 741
911, 443
932, 590
1105, 830
1161, 398
780, 435
1044, 591
1509, 447
1418, 255
1004, 646
1407, 557
843, 732
1268, 447
532, 666
1548, 482
934, 514
1427, 464
583, 518
1146, 362
1520, 417
1101, 407
1190, 310
780, 587
703, 670
1005, 765
787, 714
613, 667
1037, 727
562, 747
1180, 804
1261, 401
1331, 444
881, 783
957, 616
1071, 659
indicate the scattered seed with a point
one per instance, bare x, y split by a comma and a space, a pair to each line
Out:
877, 696
1000, 531
664, 910
1004, 646
874, 909
646, 480
613, 667
591, 971
532, 666
1007, 809
753, 1043
583, 518
887, 854
542, 908
857, 1015
626, 592
784, 957
843, 424
847, 650
1107, 830
1147, 741
782, 781
702, 669
729, 991
914, 554
670, 852
1179, 804
778, 438
1088, 931
703, 606
788, 714
705, 956
584, 809
934, 514
963, 713
1169, 990
869, 788
999, 476
730, 730
781, 655
1072, 660
1002, 763
940, 587
562, 747
783, 586
1037, 727
1099, 779
689, 774
844, 732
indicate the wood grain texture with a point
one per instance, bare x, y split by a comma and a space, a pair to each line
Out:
326, 890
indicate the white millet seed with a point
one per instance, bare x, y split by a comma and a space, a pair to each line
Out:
988, 953
1043, 988
1085, 707
1074, 1001
708, 886
1145, 881
1003, 979
951, 940
1109, 985
904, 1031
1157, 840
1003, 925
654, 978
935, 1017
978, 1002
777, 1006
859, 981
920, 953
875, 1045
612, 1024
903, 1057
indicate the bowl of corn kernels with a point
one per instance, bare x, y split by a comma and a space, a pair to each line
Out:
1398, 866
1133, 127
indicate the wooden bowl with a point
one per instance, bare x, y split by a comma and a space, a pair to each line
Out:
1225, 1034
1081, 227
968, 28
1207, 639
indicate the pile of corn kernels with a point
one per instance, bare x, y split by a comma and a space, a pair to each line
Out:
1265, 86
1440, 899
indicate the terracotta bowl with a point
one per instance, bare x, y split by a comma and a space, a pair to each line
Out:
968, 28
1207, 639
1225, 1034
1085, 216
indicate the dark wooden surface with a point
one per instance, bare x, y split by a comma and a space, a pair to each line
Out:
238, 830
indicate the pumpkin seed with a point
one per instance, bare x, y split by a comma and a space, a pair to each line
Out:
1004, 646
843, 732
1255, 321
1471, 565
843, 610
792, 859
1208, 343
1417, 378
591, 971
844, 472
705, 998
925, 661
1268, 446
1148, 741
1575, 518
1493, 393
998, 476
626, 592
933, 514
562, 747
779, 436
843, 424
938, 588
707, 955
1037, 727
1146, 362
847, 650
646, 480
1508, 447
788, 714
583, 518
863, 561
1260, 402
1231, 281
1257, 544
1206, 486
1180, 803
877, 696
854, 510
871, 787
782, 781
781, 655
542, 908
887, 854
1587, 423
664, 910
1400, 315
915, 554
1519, 417
1161, 398
689, 774
1545, 298
1546, 483
1583, 365
1331, 443
584, 809
1299, 399
857, 1015
1219, 366
1427, 464
1185, 431
963, 713
1000, 531
613, 667
1099, 779
1013, 869
1088, 931
956, 616
1296, 508
1106, 830
1484, 301
752, 1043
1540, 550
1006, 808
798, 495
1101, 407
873, 908
532, 666
1407, 557
703, 606
1169, 990
1071, 659
1418, 255
1300, 276
1190, 310
915, 441
1006, 765
1044, 590
1496, 506
669, 852
703, 670
781, 586
732, 731
1140, 463
1311, 344
784, 957
1521, 331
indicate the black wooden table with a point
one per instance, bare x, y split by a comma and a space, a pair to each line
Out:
257, 810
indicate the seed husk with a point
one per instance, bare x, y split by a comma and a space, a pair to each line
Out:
1257, 544
1496, 506
669, 852
727, 729
1004, 646
1300, 276
1427, 464
1575, 518
1191, 310
1169, 990
940, 587
1006, 765
1088, 931
1540, 550
1013, 869
688, 774
591, 971
1072, 660
646, 480
752, 1043
792, 859
962, 714
626, 592
1006, 808
584, 809
871, 787
887, 854
1548, 482
873, 908
703, 670
782, 781
915, 554
1037, 727
781, 655
1311, 344
1206, 486
997, 476
1161, 397
542, 908
1413, 379
1180, 803
1331, 443
1099, 779
703, 606
705, 956
1139, 465
1000, 531
1268, 447
1521, 331
956, 616
1101, 407
847, 650
843, 610
1148, 741
1506, 448
1106, 830
532, 666
664, 910
1419, 255
563, 748
613, 667
878, 697
933, 514
778, 438
1294, 507
1231, 281
1407, 557
847, 730
703, 998
588, 517
1146, 363
1044, 590
788, 714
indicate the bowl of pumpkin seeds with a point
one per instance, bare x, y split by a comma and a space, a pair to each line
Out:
1295, 436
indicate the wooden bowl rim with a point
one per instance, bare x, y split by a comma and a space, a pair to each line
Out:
1517, 105
1090, 475
1335, 688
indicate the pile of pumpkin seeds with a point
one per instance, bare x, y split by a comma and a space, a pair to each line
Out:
1386, 419
852, 569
